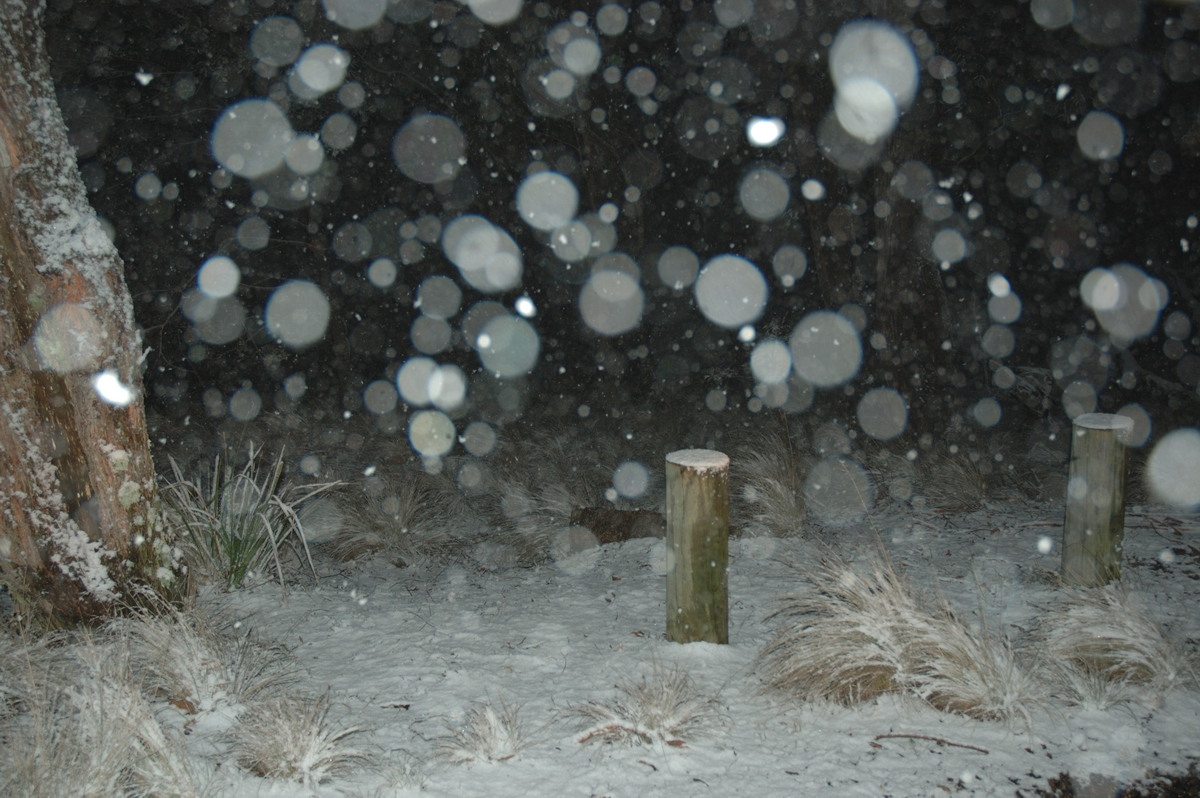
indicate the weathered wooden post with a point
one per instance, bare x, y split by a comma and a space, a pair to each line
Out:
1095, 524
697, 546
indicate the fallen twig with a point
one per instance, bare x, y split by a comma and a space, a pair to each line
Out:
937, 740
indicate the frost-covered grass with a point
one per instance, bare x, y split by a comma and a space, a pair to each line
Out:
954, 482
85, 727
768, 483
971, 671
1100, 645
238, 523
294, 738
491, 731
894, 474
845, 639
403, 514
197, 663
862, 631
25, 662
106, 713
664, 707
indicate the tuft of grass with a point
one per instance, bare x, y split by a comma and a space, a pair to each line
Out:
403, 771
665, 707
197, 663
769, 477
846, 640
1099, 637
292, 738
490, 731
539, 481
862, 632
894, 473
405, 515
966, 671
953, 482
530, 516
239, 522
27, 662
86, 729
1085, 687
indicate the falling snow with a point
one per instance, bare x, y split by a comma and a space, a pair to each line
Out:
924, 239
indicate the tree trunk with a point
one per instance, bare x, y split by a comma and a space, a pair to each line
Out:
81, 534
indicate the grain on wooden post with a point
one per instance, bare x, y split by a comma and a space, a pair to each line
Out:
697, 546
1095, 522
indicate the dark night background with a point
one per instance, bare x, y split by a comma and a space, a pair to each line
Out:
989, 99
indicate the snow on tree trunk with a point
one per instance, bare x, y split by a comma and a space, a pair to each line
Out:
80, 529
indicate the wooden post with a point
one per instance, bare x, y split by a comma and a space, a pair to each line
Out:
697, 546
1095, 522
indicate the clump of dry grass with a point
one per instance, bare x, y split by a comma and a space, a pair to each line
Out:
1102, 645
540, 480
953, 482
1086, 687
967, 671
291, 737
894, 473
665, 707
197, 663
530, 516
27, 663
768, 475
84, 727
404, 514
862, 632
491, 731
563, 467
845, 640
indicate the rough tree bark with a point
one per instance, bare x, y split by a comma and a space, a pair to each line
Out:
81, 534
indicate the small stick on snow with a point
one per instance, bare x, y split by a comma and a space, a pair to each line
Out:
937, 740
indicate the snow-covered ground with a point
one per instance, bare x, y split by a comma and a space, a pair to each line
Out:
409, 653
470, 677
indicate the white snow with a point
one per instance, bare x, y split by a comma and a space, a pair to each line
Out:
429, 148
111, 389
762, 131
496, 12
731, 291
297, 313
611, 302
547, 200
410, 653
1102, 421
699, 459
1100, 136
251, 138
826, 350
764, 194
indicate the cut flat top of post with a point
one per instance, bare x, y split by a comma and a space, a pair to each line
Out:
699, 459
1114, 421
